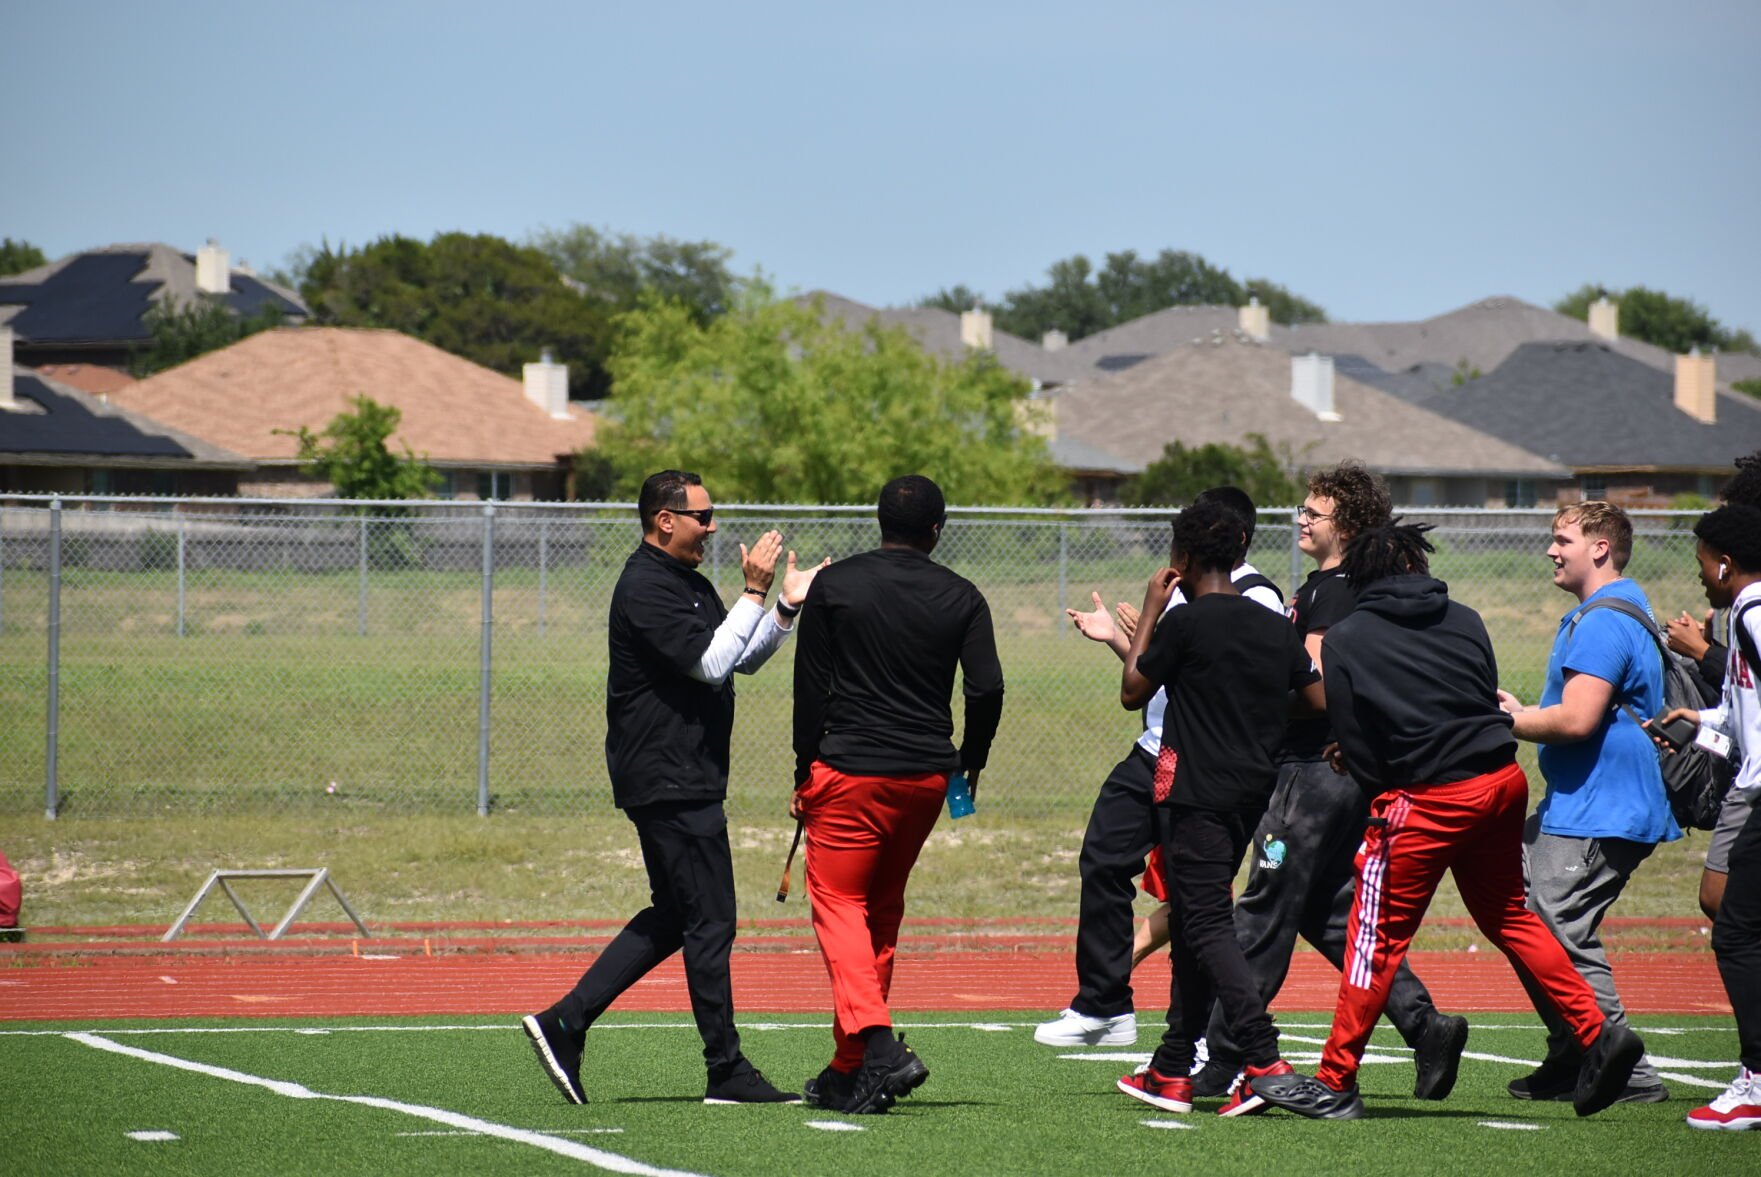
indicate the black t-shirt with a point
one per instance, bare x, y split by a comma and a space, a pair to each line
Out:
1323, 601
1228, 666
666, 734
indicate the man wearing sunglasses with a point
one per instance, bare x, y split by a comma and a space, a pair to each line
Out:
669, 714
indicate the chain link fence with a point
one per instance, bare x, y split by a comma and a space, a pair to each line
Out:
192, 656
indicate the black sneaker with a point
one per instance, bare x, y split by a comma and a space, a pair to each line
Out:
746, 1084
1654, 1094
890, 1070
830, 1089
559, 1052
1555, 1079
1309, 1097
1438, 1057
1215, 1079
1608, 1064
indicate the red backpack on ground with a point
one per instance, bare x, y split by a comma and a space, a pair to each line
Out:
11, 894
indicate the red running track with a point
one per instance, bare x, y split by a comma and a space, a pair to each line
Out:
174, 986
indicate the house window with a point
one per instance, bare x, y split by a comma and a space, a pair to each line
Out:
1520, 492
495, 484
1594, 488
100, 483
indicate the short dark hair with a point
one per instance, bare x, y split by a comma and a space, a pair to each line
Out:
1209, 535
1236, 500
1735, 531
1393, 549
664, 491
1360, 498
911, 508
1744, 486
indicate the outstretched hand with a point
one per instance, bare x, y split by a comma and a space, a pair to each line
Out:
759, 565
1126, 616
796, 581
1508, 703
1096, 626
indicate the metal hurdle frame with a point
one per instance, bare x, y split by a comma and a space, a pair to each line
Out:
317, 877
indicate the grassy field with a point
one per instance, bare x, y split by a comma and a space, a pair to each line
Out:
465, 1095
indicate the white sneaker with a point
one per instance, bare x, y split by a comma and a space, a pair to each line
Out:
1738, 1108
1201, 1054
1073, 1029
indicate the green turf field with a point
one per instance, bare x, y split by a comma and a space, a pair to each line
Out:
465, 1095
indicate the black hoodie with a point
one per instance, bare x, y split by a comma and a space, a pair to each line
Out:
1412, 688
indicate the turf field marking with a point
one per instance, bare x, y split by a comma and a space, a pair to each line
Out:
1126, 1056
610, 1161
1695, 1080
1510, 1125
834, 1126
550, 1131
1166, 1124
151, 1134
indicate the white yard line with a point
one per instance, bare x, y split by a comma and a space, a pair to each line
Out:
609, 1161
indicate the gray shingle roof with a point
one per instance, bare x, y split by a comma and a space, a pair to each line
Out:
1588, 406
1118, 348
938, 331
1220, 392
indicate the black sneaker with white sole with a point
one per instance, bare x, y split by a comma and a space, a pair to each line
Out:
1307, 1096
559, 1052
1608, 1064
1438, 1056
890, 1071
1216, 1078
745, 1083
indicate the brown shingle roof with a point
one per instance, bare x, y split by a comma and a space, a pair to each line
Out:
1222, 391
454, 411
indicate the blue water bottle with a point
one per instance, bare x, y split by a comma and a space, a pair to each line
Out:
959, 797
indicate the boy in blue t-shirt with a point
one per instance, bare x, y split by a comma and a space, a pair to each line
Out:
1605, 808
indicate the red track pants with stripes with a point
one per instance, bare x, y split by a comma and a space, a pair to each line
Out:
1474, 829
863, 837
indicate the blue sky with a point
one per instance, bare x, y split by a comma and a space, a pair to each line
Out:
1389, 161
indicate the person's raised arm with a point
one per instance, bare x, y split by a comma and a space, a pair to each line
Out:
780, 621
728, 646
1098, 626
1135, 689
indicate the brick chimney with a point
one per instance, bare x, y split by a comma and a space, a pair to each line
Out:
547, 385
1054, 340
1696, 386
7, 400
1605, 318
975, 328
213, 269
1255, 320
1311, 385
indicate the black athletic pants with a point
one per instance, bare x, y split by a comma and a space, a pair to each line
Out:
1301, 882
691, 878
1736, 939
1121, 832
1203, 851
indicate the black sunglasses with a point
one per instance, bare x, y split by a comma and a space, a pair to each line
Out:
705, 516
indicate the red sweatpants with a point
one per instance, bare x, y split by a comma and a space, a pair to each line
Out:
863, 837
1473, 828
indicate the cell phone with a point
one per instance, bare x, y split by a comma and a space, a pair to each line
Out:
1677, 733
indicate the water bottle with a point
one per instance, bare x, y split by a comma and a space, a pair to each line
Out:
959, 797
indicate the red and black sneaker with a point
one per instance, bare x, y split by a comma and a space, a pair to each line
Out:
1242, 1100
1158, 1090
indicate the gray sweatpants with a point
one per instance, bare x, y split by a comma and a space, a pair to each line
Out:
1572, 884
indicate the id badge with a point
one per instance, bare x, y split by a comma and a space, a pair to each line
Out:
1715, 742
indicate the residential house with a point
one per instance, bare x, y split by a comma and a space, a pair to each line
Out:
487, 434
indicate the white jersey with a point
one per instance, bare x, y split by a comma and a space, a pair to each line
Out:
1738, 714
1151, 740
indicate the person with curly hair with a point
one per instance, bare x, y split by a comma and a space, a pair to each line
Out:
1300, 879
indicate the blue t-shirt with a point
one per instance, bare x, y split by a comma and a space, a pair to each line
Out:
1609, 785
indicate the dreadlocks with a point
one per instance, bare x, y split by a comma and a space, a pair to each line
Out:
1392, 549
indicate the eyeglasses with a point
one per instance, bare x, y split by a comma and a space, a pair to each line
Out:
704, 517
1310, 514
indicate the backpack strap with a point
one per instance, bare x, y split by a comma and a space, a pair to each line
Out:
1745, 641
1258, 580
1625, 609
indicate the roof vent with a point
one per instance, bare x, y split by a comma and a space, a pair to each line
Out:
213, 272
547, 385
1311, 385
1605, 318
1255, 320
975, 328
1054, 340
1696, 386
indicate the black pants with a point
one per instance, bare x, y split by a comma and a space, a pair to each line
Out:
1121, 832
1736, 939
691, 878
1203, 850
1301, 882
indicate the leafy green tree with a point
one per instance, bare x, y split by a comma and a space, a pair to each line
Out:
623, 269
1080, 300
772, 403
352, 455
477, 296
181, 331
958, 299
1751, 387
1181, 473
1677, 324
18, 256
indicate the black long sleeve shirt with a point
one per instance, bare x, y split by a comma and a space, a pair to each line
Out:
875, 652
